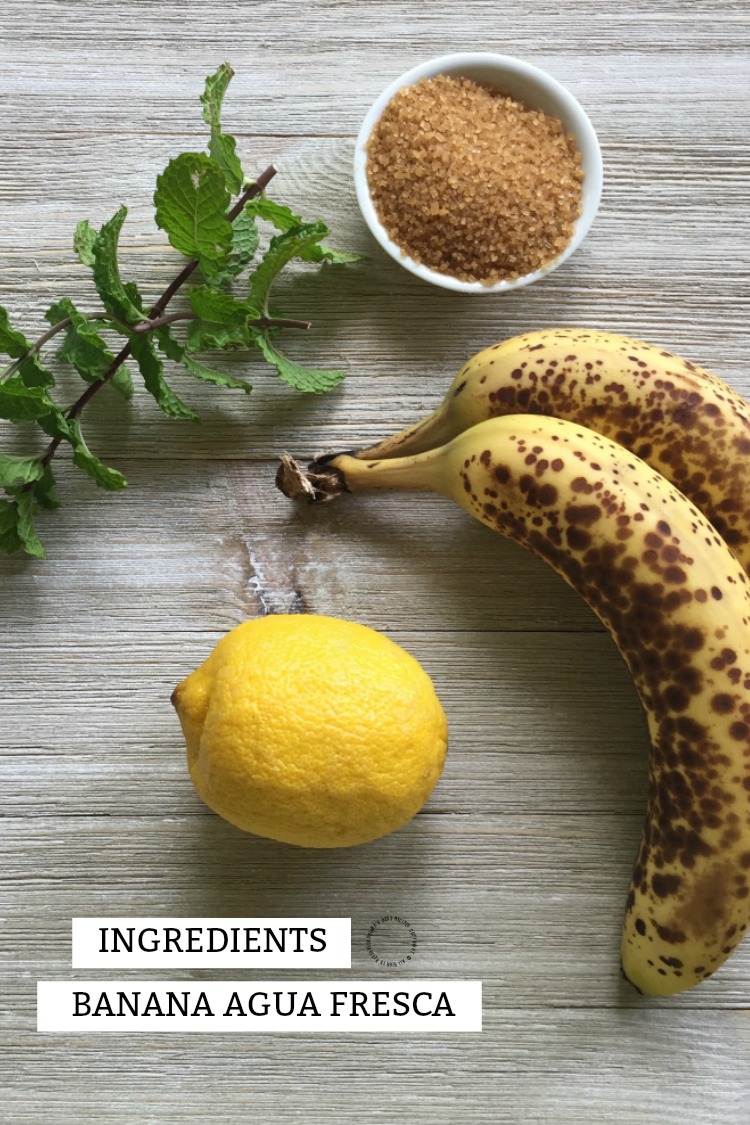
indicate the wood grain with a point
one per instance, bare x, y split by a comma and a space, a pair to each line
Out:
516, 870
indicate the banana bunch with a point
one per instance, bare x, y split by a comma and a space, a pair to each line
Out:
580, 478
690, 425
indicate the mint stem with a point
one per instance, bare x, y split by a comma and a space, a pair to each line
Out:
262, 322
161, 321
155, 312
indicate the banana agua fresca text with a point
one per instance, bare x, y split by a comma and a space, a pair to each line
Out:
169, 1003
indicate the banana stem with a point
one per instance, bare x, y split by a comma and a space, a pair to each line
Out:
328, 477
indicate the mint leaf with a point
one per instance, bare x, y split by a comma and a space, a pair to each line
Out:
82, 346
244, 240
222, 320
19, 470
114, 294
282, 249
12, 343
191, 201
221, 149
213, 95
174, 350
244, 244
171, 348
20, 403
152, 370
330, 255
102, 474
56, 424
283, 218
34, 373
218, 378
214, 304
85, 349
44, 490
83, 243
122, 382
221, 146
204, 335
29, 540
133, 294
10, 541
293, 373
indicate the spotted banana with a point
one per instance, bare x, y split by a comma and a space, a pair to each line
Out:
677, 603
685, 422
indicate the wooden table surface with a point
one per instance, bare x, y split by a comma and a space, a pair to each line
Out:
516, 871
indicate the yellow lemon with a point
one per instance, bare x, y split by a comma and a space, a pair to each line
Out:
312, 730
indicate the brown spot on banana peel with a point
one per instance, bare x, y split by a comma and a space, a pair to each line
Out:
689, 901
685, 422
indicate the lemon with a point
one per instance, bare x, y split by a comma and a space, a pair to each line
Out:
312, 730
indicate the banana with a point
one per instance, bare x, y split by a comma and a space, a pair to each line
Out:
677, 604
681, 419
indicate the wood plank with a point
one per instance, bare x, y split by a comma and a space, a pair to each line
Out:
544, 1066
215, 542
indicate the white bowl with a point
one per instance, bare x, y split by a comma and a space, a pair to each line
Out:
526, 84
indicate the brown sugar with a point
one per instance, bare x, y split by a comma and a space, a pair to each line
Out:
471, 183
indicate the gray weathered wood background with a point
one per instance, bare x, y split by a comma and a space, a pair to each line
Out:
516, 871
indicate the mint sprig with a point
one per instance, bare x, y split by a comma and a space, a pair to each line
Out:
209, 211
